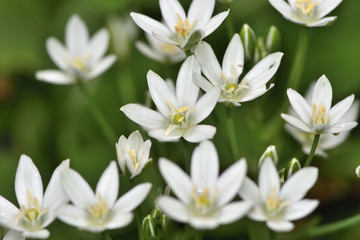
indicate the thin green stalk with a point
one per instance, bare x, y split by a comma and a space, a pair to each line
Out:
186, 155
231, 133
272, 235
188, 53
199, 234
106, 235
312, 151
230, 24
334, 227
98, 115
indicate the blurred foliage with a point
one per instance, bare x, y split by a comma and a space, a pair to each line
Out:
51, 123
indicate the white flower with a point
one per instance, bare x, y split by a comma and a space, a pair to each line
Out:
37, 210
13, 235
250, 87
179, 27
204, 196
310, 13
327, 141
178, 114
278, 206
99, 211
159, 51
317, 116
81, 59
357, 171
133, 154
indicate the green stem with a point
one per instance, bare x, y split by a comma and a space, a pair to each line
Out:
106, 235
334, 227
199, 234
186, 155
98, 115
312, 151
231, 133
188, 53
272, 235
230, 24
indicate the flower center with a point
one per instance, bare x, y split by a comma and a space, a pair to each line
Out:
79, 63
232, 90
31, 217
132, 154
178, 116
203, 202
318, 114
274, 204
183, 27
306, 7
99, 211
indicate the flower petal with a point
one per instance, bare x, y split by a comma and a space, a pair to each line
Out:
340, 109
101, 66
173, 208
296, 123
150, 25
280, 226
8, 211
76, 36
98, 45
257, 214
204, 223
73, 216
160, 135
341, 127
233, 61
230, 181
324, 8
322, 93
179, 182
13, 235
199, 133
255, 93
171, 10
40, 234
54, 77
204, 165
300, 209
269, 180
205, 105
208, 62
322, 22
214, 22
57, 52
284, 8
28, 180
119, 220
108, 185
200, 11
300, 106
202, 82
249, 191
149, 52
133, 198
144, 116
234, 211
296, 187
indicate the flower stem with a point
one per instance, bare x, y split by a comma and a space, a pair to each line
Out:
106, 235
272, 235
199, 234
334, 227
230, 23
231, 133
312, 151
98, 115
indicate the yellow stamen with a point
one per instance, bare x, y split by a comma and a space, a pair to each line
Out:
79, 63
274, 203
178, 116
305, 6
318, 114
132, 154
183, 28
99, 210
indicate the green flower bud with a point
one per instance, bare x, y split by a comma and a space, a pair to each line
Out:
270, 152
292, 167
357, 171
248, 39
273, 40
193, 40
165, 223
282, 176
260, 51
149, 227
156, 213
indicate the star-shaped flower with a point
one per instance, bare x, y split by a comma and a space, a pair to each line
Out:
310, 13
81, 59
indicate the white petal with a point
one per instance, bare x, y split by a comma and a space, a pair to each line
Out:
160, 93
149, 52
202, 82
98, 45
283, 8
322, 93
205, 105
199, 133
204, 223
341, 127
150, 25
54, 77
322, 22
136, 141
73, 216
57, 52
76, 36
255, 93
296, 123
54, 195
108, 185
133, 198
160, 135
249, 191
233, 61
186, 90
214, 22
300, 209
325, 7
263, 71
300, 106
170, 9
340, 109
200, 11
204, 165
296, 187
28, 179
77, 188
269, 180
13, 235
101, 66
40, 234
144, 116
280, 226
234, 211
257, 214
8, 211
119, 220
230, 181
208, 62
173, 208
177, 179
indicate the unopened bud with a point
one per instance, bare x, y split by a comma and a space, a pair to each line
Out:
156, 213
165, 223
260, 51
193, 40
273, 40
292, 167
282, 176
270, 152
149, 227
248, 39
357, 171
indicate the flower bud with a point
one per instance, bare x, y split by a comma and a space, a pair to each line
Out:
292, 167
273, 40
156, 213
282, 176
149, 227
165, 223
270, 152
260, 51
133, 154
248, 39
193, 40
357, 171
